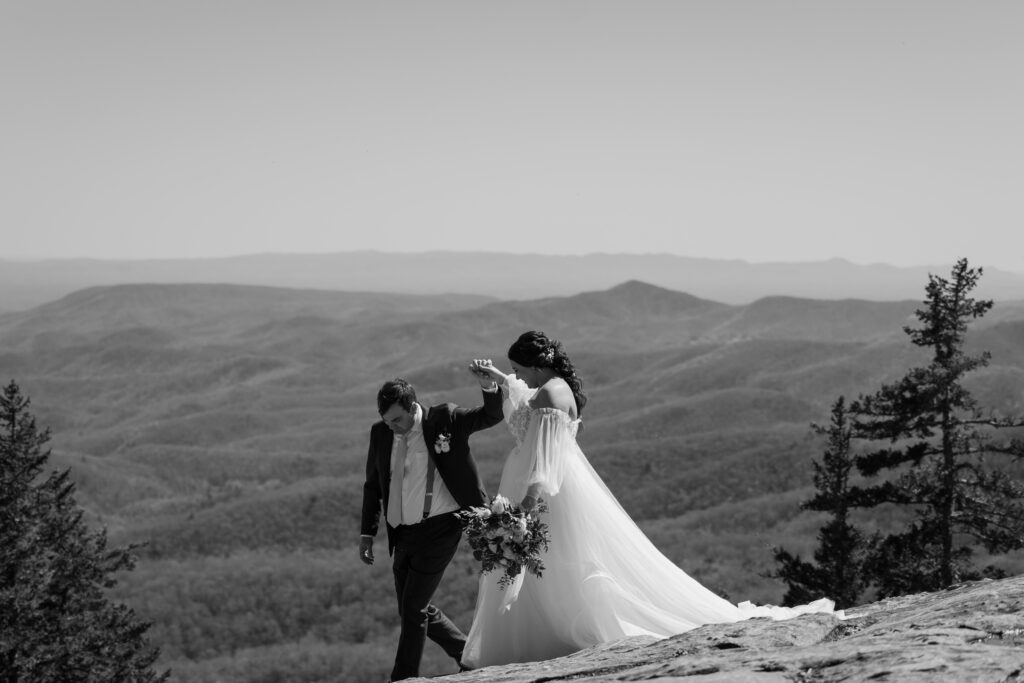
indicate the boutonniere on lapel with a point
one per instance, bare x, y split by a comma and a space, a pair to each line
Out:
443, 443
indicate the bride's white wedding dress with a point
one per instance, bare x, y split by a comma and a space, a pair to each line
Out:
603, 578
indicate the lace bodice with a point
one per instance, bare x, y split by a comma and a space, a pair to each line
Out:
545, 443
519, 420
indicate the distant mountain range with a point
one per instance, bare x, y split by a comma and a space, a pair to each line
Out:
226, 425
24, 284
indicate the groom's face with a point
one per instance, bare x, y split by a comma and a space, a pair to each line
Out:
398, 419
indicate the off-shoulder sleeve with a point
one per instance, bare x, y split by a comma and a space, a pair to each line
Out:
516, 393
549, 439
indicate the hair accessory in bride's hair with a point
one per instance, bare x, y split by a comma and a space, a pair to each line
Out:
548, 355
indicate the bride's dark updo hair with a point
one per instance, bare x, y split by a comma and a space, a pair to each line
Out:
535, 350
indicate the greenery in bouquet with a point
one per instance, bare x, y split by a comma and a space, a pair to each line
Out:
504, 536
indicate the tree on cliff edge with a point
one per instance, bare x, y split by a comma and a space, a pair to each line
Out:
938, 452
56, 623
839, 569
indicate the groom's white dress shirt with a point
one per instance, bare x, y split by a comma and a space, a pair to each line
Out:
414, 483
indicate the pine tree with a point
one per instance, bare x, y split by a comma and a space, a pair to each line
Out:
842, 551
56, 622
938, 444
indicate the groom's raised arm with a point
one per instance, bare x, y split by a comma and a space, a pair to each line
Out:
482, 417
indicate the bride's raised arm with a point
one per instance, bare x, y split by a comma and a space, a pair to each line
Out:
516, 393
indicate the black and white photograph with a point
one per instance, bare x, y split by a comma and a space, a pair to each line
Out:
589, 340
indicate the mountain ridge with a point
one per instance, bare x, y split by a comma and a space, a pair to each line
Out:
24, 284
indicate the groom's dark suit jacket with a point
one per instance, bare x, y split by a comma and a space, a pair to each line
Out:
456, 467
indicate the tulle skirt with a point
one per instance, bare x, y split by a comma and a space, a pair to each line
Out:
603, 580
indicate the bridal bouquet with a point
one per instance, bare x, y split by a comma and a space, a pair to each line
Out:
504, 536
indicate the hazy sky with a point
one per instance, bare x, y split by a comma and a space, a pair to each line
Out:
888, 131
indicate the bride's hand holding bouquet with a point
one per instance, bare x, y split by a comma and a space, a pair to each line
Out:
507, 537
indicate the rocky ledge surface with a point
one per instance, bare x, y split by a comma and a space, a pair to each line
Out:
972, 632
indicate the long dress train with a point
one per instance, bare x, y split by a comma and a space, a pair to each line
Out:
603, 578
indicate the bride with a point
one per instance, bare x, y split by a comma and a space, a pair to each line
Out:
603, 579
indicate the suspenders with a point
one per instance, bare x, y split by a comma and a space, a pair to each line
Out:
429, 497
396, 491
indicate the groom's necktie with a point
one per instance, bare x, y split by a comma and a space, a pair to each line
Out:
397, 477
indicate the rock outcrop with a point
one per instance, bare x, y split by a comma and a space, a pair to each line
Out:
972, 632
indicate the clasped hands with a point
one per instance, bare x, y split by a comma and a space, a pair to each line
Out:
486, 373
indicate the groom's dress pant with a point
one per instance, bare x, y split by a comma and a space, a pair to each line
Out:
422, 553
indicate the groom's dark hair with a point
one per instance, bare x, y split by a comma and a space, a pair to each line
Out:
396, 391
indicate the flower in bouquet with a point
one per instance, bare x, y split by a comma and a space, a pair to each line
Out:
499, 504
506, 537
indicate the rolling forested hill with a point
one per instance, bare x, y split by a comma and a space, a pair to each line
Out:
226, 427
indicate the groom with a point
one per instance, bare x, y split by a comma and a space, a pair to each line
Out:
419, 471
